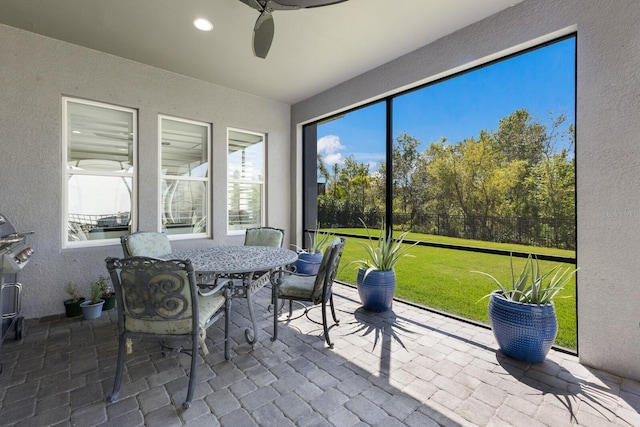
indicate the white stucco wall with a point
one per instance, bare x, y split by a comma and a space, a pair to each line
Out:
607, 147
35, 72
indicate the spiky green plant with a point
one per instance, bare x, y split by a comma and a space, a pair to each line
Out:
384, 252
73, 292
529, 286
318, 241
105, 287
96, 290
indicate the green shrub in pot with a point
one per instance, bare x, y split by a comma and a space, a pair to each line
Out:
72, 305
522, 315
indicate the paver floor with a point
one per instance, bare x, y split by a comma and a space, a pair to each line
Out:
404, 367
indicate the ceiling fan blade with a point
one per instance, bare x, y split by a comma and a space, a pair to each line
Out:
263, 34
253, 4
306, 4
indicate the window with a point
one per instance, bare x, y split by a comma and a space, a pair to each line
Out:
245, 185
99, 161
484, 155
351, 163
184, 176
481, 159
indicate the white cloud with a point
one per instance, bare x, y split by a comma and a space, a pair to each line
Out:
332, 159
330, 144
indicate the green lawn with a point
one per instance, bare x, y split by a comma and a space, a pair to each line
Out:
442, 279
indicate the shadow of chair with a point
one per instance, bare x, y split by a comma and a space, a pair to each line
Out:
264, 236
158, 300
316, 289
145, 243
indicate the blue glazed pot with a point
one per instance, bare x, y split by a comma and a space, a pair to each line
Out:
308, 263
523, 331
377, 289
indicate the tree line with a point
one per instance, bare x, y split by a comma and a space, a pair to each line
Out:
515, 184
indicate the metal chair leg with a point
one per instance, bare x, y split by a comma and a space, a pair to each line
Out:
274, 301
227, 320
333, 311
192, 374
324, 324
119, 368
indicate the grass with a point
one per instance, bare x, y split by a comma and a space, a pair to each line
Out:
442, 279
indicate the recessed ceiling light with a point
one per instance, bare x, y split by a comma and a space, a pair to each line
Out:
203, 24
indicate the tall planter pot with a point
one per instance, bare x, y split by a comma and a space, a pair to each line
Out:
308, 263
377, 289
523, 331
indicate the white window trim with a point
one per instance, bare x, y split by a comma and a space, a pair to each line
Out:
133, 215
208, 179
263, 206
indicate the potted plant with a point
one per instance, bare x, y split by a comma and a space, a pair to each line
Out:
522, 315
309, 259
72, 305
107, 293
92, 308
376, 280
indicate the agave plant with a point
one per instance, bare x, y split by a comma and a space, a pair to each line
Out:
530, 286
383, 253
318, 241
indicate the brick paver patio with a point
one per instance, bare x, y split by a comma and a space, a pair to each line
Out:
405, 367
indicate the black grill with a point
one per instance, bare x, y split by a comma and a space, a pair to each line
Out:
15, 254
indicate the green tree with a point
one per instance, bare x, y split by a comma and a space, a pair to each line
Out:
473, 174
407, 189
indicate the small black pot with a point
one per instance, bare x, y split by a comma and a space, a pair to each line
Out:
72, 309
109, 302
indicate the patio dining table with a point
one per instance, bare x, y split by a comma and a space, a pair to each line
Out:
248, 267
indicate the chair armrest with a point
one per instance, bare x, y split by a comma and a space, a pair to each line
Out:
206, 290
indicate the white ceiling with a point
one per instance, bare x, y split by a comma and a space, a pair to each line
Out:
313, 49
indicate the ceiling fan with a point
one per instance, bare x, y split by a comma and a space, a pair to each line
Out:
264, 28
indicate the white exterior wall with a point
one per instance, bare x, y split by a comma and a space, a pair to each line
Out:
607, 147
35, 72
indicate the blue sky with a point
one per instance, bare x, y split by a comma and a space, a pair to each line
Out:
540, 81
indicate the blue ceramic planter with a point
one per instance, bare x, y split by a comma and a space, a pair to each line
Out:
308, 263
377, 289
523, 331
91, 311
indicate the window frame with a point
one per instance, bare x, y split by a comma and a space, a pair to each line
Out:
207, 180
262, 183
67, 173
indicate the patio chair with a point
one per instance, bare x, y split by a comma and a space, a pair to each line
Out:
145, 243
158, 299
316, 289
264, 236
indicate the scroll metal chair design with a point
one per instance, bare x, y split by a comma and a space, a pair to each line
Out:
158, 299
264, 236
145, 243
317, 289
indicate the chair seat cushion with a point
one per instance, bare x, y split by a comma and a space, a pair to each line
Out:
296, 286
207, 307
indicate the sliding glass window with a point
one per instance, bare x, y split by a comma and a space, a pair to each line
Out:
245, 180
184, 176
99, 172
